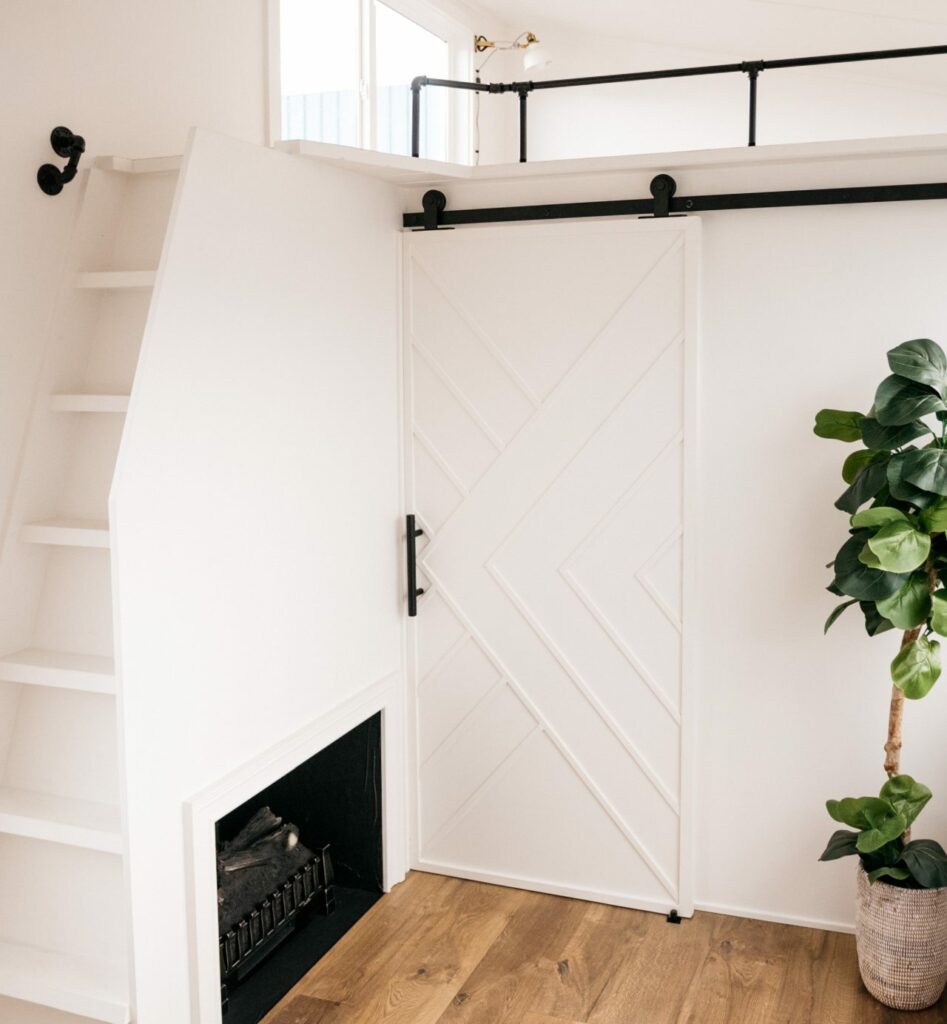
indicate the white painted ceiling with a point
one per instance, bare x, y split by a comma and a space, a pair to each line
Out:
753, 29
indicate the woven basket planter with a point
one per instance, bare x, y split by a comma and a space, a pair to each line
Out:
901, 935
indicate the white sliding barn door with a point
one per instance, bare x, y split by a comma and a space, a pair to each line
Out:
550, 376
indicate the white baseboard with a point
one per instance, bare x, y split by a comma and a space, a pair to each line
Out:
613, 899
620, 900
764, 915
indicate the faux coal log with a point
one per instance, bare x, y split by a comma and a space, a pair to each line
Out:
264, 854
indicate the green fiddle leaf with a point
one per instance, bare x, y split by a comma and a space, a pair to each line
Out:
875, 623
923, 361
838, 425
900, 488
878, 437
879, 515
901, 874
939, 612
927, 862
885, 856
864, 487
899, 401
886, 825
867, 557
858, 460
842, 844
910, 606
853, 810
906, 796
854, 579
916, 668
899, 547
836, 612
934, 519
926, 469
877, 821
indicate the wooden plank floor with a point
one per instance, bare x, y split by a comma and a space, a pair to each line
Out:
444, 951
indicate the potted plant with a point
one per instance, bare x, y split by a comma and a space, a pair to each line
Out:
894, 567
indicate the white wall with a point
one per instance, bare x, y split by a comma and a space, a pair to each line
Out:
131, 77
798, 105
799, 308
256, 509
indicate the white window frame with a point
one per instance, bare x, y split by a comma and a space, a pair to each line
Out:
458, 37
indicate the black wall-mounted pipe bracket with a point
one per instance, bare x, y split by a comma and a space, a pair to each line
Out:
70, 147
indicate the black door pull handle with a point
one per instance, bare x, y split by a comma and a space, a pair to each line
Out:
414, 591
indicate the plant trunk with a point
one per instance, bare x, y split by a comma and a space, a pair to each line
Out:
896, 716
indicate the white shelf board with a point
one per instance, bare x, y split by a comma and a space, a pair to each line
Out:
82, 402
73, 984
410, 171
402, 170
145, 165
76, 533
59, 819
116, 279
61, 669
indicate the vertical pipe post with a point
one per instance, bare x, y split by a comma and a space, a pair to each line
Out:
416, 115
523, 94
754, 74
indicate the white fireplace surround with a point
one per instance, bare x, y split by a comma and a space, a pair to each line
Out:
204, 809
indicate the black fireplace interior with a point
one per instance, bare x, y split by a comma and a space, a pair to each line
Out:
334, 873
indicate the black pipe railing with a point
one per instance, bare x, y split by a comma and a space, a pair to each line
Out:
750, 68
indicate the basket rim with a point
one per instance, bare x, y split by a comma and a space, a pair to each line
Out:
899, 890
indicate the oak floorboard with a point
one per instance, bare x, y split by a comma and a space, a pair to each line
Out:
741, 977
426, 966
526, 957
652, 982
544, 1018
438, 950
304, 1010
591, 959
393, 924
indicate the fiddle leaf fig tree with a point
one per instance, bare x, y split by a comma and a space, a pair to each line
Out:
893, 565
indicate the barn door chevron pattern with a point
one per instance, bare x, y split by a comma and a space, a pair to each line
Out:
548, 376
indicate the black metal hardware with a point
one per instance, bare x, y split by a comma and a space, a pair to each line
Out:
257, 934
70, 147
674, 918
524, 91
694, 204
433, 203
663, 187
414, 591
751, 68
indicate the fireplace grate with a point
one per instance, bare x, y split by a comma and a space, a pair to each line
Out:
255, 935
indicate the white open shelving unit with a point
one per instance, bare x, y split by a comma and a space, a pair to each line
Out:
63, 932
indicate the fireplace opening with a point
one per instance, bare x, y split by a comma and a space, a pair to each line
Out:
297, 865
